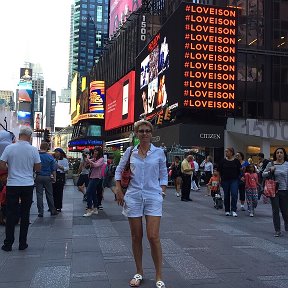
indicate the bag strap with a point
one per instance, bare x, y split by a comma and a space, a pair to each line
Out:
127, 165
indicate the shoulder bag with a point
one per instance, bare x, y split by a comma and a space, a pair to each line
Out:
126, 173
271, 185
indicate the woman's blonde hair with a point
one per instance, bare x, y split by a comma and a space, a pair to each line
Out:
141, 123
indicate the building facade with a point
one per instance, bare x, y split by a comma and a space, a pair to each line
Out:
7, 99
259, 120
49, 110
90, 32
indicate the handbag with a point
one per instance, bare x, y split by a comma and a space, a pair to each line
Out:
271, 186
126, 173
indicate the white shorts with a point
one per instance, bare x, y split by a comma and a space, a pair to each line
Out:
138, 207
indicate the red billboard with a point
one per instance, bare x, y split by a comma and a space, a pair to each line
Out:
120, 102
119, 12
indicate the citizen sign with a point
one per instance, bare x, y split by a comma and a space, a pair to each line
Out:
210, 136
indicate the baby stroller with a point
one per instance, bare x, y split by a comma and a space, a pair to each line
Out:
218, 201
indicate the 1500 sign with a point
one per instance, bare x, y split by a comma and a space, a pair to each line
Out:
143, 30
266, 129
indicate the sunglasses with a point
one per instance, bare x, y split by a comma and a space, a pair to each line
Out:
144, 131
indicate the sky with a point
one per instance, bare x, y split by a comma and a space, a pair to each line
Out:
35, 31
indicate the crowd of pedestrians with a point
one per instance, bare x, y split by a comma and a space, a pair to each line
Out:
239, 179
25, 168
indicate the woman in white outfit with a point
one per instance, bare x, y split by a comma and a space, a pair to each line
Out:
144, 197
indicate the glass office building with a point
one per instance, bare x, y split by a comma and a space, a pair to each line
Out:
89, 32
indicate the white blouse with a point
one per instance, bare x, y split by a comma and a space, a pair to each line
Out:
147, 174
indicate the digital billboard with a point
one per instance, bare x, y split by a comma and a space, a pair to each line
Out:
37, 120
73, 98
210, 57
25, 81
97, 99
119, 109
119, 12
25, 95
197, 73
24, 118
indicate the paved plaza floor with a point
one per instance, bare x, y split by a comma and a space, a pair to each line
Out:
201, 248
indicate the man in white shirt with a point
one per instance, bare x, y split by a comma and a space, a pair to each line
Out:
21, 159
195, 176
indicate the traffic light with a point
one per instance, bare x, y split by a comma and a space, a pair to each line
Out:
160, 119
47, 136
167, 115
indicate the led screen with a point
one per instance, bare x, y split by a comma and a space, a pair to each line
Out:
38, 120
197, 73
25, 95
25, 81
120, 10
120, 102
210, 57
24, 118
158, 79
97, 98
94, 130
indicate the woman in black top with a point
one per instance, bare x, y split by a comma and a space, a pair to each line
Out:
229, 170
175, 169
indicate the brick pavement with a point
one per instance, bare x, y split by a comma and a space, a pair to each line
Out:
201, 248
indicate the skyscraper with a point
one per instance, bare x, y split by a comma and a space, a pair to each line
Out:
49, 110
89, 27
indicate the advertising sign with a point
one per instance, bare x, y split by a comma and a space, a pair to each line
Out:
158, 78
38, 120
73, 99
24, 118
97, 98
119, 12
81, 144
120, 102
210, 57
25, 81
25, 95
197, 73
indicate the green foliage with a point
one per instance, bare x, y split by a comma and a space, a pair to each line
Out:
117, 156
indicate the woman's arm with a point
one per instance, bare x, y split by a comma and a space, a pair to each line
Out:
163, 174
267, 170
97, 163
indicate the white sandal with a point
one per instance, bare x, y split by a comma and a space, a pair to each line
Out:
160, 284
137, 280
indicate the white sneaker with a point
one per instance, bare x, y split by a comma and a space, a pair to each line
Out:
251, 215
95, 211
177, 194
227, 213
88, 213
234, 214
